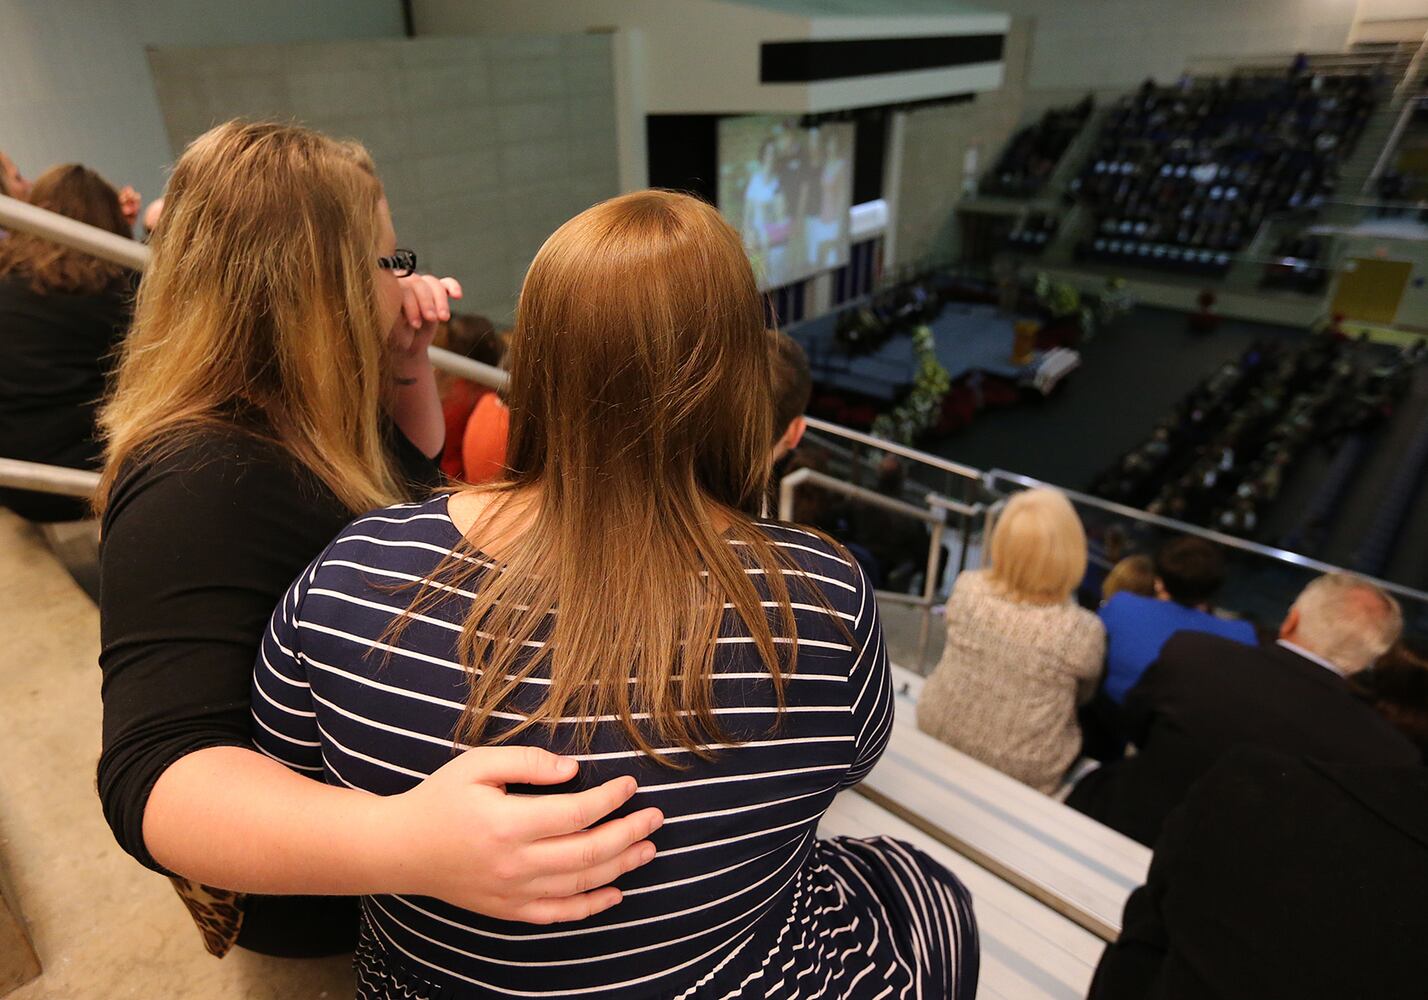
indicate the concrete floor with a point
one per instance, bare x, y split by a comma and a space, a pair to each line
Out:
103, 926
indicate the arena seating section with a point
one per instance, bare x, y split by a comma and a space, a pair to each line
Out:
1181, 177
1220, 458
1299, 265
1033, 153
1032, 234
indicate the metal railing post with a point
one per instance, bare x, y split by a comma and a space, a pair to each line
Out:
929, 593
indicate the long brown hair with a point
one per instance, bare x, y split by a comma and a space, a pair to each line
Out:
640, 422
260, 310
78, 193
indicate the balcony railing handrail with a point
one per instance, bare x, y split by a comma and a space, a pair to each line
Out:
893, 447
1229, 541
15, 474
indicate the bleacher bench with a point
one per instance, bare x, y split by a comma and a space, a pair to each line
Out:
1070, 862
1027, 950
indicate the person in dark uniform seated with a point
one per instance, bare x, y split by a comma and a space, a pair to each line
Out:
1282, 877
1206, 695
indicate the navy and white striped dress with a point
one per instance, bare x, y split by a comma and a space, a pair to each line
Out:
741, 901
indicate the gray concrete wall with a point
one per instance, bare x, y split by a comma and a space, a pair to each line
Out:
935, 143
74, 86
485, 144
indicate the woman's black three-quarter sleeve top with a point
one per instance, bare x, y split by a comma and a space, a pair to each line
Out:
197, 547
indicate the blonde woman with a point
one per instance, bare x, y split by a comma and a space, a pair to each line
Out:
274, 384
617, 599
1020, 654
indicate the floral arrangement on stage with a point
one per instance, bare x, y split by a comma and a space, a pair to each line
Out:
1063, 303
921, 409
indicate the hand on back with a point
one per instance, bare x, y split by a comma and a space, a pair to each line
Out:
461, 837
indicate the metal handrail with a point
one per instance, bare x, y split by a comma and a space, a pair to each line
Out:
935, 515
20, 215
56, 479
873, 498
1229, 541
935, 461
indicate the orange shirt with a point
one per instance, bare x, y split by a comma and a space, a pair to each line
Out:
456, 407
483, 446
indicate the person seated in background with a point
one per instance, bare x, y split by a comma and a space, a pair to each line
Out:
152, 214
792, 389
1021, 654
63, 313
1281, 876
1189, 571
484, 441
473, 337
1206, 694
1132, 575
617, 596
12, 182
1397, 686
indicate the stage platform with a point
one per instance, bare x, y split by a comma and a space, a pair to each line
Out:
969, 337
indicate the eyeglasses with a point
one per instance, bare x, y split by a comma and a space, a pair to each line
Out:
401, 263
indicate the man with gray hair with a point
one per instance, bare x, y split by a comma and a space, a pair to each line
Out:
1342, 622
1205, 696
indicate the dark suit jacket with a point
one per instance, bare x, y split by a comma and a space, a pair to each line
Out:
1282, 878
1205, 696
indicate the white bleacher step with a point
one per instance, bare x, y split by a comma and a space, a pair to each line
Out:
1027, 950
1070, 862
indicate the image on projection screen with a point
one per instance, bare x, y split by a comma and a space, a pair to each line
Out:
787, 190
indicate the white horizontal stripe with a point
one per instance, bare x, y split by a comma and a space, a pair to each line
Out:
258, 686
703, 876
754, 571
802, 548
426, 546
751, 745
751, 807
672, 851
375, 761
754, 776
400, 520
263, 655
284, 761
283, 736
819, 643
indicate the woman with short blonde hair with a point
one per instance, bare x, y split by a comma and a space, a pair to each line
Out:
1020, 654
276, 383
1038, 549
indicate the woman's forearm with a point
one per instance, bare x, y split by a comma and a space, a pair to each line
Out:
416, 407
231, 817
